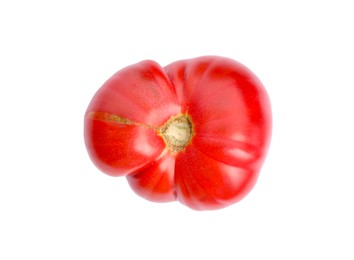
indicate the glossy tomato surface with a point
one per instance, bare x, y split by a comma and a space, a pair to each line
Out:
196, 131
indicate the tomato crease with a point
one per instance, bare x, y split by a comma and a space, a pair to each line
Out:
107, 117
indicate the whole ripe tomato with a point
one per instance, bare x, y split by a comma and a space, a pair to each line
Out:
196, 131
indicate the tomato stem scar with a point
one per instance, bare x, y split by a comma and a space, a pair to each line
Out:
177, 133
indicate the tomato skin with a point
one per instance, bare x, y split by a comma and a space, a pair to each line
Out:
231, 116
141, 93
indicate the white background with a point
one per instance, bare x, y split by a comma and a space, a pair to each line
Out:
55, 204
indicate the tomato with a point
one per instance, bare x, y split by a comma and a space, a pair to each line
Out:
196, 131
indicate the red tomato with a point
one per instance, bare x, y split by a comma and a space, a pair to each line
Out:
196, 131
